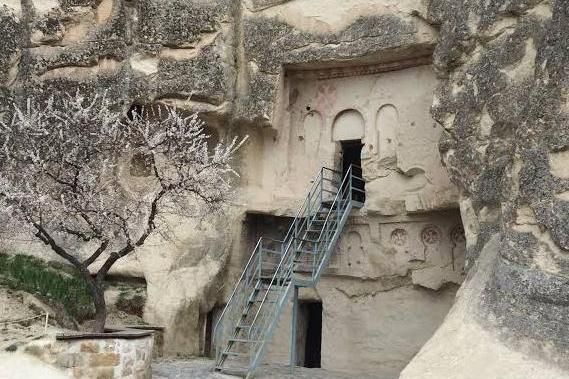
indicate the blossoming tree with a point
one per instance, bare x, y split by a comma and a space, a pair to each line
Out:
59, 174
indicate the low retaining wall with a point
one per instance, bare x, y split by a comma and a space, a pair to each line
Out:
115, 354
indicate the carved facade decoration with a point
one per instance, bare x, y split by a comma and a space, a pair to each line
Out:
399, 237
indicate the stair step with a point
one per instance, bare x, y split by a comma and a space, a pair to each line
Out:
357, 204
307, 252
323, 220
272, 289
232, 370
260, 300
329, 204
234, 354
317, 229
304, 283
269, 279
241, 340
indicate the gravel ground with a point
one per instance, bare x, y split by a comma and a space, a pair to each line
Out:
203, 369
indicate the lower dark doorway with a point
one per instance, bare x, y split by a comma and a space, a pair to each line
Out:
208, 321
352, 155
312, 314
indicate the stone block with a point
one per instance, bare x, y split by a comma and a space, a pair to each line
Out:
127, 370
69, 360
143, 374
104, 359
105, 373
110, 346
89, 347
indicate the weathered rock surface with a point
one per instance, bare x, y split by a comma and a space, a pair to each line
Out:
227, 59
503, 103
462, 348
300, 77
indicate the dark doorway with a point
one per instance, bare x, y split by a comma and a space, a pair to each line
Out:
208, 322
313, 344
352, 155
208, 332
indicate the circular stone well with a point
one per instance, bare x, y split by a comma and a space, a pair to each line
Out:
117, 353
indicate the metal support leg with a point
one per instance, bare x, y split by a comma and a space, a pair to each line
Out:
293, 331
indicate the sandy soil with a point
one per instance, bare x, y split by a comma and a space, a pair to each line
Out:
203, 369
23, 366
15, 323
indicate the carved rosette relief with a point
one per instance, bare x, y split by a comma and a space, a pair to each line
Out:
458, 239
457, 235
399, 237
430, 237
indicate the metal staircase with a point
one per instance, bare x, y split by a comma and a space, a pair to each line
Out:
276, 269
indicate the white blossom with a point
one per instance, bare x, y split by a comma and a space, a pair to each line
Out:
59, 162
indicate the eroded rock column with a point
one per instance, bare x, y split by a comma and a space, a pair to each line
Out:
503, 103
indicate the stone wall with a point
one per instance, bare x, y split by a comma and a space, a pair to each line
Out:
96, 357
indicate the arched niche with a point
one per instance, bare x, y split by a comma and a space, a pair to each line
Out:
387, 124
348, 125
312, 129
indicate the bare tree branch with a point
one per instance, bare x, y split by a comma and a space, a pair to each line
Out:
43, 235
60, 171
100, 250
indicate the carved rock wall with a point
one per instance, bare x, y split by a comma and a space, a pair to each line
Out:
240, 63
388, 288
503, 103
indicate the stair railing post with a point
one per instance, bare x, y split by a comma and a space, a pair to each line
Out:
293, 331
260, 259
350, 179
321, 184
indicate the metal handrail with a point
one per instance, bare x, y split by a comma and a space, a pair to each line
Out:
294, 223
236, 287
285, 253
295, 242
324, 242
307, 199
348, 175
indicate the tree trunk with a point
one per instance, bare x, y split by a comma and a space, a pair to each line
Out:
100, 308
98, 294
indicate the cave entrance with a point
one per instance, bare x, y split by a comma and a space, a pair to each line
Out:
309, 350
352, 155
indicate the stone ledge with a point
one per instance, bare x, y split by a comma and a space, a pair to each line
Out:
126, 333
